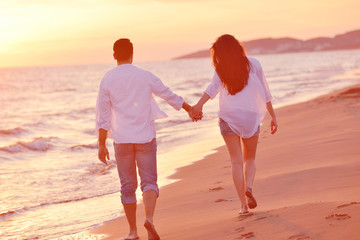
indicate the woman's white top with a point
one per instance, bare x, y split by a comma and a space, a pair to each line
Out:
126, 107
245, 110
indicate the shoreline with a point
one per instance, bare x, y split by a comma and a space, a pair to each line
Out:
314, 151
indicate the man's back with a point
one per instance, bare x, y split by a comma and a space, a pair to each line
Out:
125, 95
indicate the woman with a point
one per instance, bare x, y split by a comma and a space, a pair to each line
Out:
244, 99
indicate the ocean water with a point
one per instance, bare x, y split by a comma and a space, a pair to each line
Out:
51, 183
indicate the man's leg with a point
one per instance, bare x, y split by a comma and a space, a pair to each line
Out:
125, 159
149, 199
130, 212
146, 161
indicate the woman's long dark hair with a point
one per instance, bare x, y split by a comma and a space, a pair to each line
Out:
231, 63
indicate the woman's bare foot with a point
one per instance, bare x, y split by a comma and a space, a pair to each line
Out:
244, 210
251, 200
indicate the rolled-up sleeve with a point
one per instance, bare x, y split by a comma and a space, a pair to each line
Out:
213, 89
164, 92
261, 76
103, 109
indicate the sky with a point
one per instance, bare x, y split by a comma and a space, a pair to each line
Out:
68, 32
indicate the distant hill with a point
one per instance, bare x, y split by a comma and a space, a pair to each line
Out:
349, 40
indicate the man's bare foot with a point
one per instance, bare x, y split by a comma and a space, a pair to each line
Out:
152, 234
133, 236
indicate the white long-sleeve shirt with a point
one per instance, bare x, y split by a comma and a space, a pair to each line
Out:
125, 105
245, 110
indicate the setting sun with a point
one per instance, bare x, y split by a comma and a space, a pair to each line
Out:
82, 32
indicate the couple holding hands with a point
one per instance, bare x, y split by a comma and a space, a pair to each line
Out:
126, 110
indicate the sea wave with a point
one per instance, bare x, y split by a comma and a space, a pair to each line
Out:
197, 82
55, 90
285, 95
86, 110
9, 212
170, 123
101, 168
6, 213
39, 144
71, 113
13, 131
87, 146
90, 131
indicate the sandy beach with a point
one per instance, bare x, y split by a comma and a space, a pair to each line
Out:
307, 182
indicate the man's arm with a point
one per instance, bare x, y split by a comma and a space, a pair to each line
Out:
186, 107
103, 120
103, 151
164, 92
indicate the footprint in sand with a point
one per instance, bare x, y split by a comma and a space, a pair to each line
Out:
338, 216
248, 235
222, 200
348, 204
301, 236
240, 229
216, 189
260, 218
244, 217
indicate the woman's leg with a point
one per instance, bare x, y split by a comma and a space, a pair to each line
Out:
250, 145
233, 144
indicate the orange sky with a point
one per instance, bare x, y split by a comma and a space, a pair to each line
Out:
54, 32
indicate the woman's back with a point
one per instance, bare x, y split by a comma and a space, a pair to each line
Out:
244, 110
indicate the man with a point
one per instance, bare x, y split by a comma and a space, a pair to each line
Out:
126, 110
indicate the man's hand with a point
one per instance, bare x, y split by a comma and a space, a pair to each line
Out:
196, 113
103, 154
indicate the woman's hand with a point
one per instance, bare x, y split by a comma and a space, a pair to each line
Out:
195, 112
274, 125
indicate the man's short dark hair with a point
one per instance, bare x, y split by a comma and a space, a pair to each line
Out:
123, 49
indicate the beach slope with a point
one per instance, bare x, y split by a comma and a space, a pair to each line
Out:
307, 182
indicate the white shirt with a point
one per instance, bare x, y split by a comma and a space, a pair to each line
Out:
245, 110
125, 105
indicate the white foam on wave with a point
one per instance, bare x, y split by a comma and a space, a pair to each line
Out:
37, 144
86, 146
13, 131
82, 236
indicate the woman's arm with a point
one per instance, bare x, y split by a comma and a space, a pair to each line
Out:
274, 125
211, 91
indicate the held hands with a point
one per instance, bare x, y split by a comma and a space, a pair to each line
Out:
195, 113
